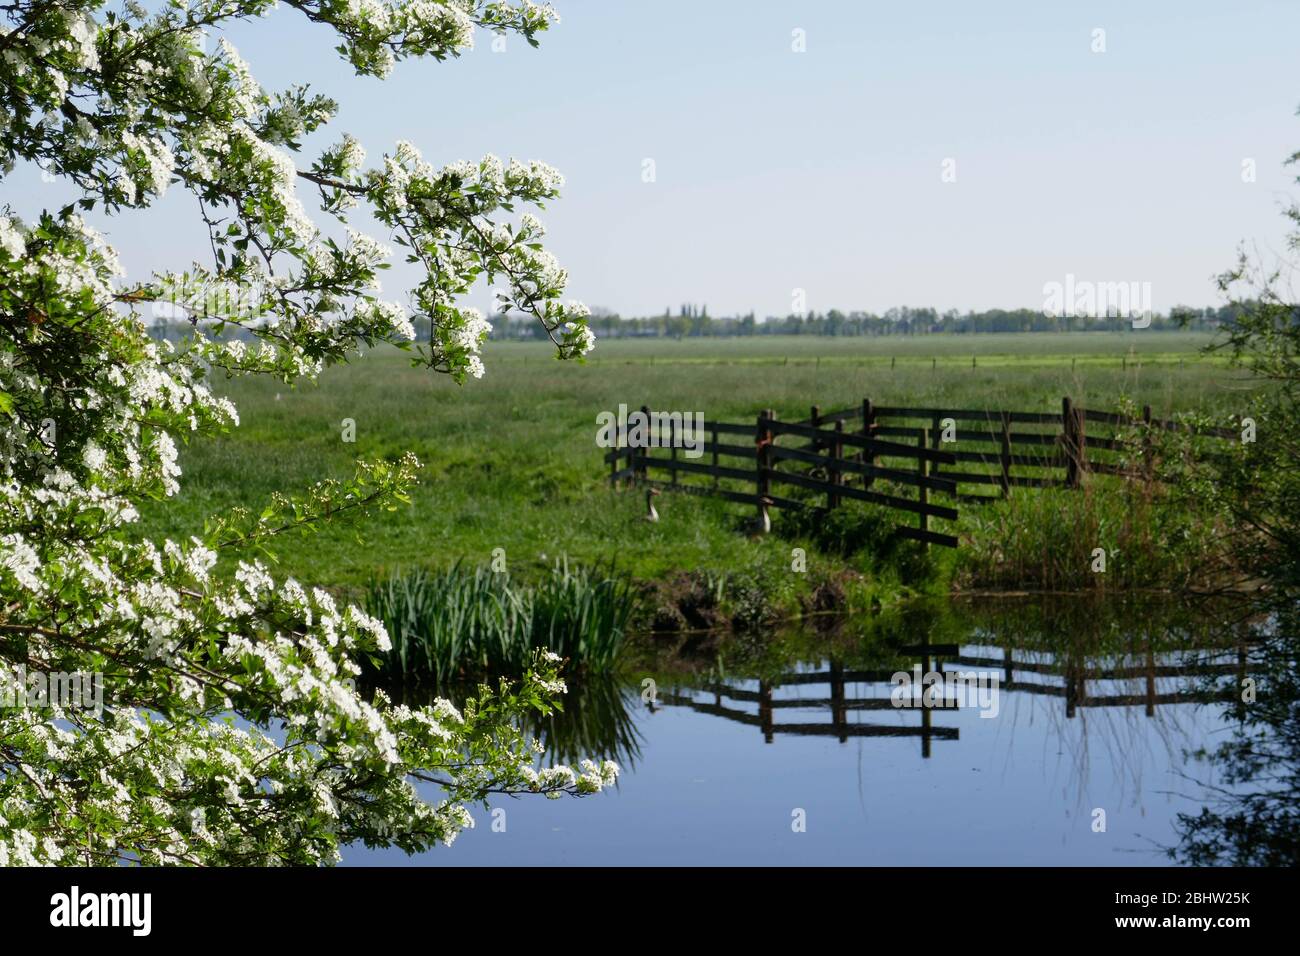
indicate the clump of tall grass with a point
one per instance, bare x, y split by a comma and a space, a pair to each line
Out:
465, 623
1048, 540
866, 532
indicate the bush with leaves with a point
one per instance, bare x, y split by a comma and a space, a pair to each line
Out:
1253, 814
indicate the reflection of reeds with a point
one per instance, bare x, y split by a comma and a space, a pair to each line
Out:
1087, 631
1142, 652
1250, 780
594, 720
462, 623
1093, 626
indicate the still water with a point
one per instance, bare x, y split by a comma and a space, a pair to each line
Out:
786, 748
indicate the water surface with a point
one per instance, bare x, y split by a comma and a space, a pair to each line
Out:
1099, 707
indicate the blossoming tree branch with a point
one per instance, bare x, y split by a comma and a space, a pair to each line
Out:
233, 732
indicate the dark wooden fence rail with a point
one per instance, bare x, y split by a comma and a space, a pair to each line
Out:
844, 454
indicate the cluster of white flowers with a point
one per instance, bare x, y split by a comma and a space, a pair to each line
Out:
373, 12
352, 156
20, 559
204, 149
248, 95
11, 239
584, 340
530, 227
277, 167
92, 272
93, 457
556, 687
367, 253
81, 32
554, 780
469, 332
155, 158
391, 317
446, 212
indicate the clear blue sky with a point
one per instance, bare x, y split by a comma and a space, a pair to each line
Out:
821, 170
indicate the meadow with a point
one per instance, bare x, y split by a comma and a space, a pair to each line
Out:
511, 460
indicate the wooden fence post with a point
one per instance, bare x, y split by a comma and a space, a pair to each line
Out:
715, 455
1006, 454
861, 455
1068, 444
672, 448
762, 456
923, 472
839, 714
1151, 677
765, 710
868, 432
1148, 466
1081, 439
639, 456
837, 452
936, 439
613, 466
815, 419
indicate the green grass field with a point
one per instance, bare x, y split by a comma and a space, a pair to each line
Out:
511, 460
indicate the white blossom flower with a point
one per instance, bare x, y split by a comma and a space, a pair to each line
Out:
11, 240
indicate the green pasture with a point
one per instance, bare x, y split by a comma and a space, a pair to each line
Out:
511, 460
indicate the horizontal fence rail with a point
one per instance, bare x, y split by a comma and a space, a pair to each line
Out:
892, 456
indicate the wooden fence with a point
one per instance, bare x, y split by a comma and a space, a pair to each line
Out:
892, 456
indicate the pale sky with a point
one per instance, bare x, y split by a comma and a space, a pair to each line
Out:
821, 170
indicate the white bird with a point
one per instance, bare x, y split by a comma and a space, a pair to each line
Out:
650, 513
763, 523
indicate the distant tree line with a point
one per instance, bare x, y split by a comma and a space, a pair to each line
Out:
690, 321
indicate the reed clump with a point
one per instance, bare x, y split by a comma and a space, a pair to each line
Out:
469, 622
